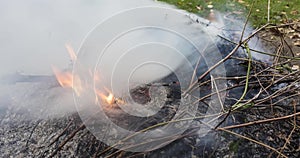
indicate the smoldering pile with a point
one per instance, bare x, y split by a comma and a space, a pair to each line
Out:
33, 88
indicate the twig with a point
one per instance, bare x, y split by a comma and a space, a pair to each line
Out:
279, 51
259, 122
261, 52
227, 115
197, 65
61, 145
217, 91
255, 141
276, 92
168, 140
269, 3
223, 60
293, 130
154, 126
225, 89
282, 25
63, 132
97, 150
247, 20
236, 105
38, 122
285, 98
264, 89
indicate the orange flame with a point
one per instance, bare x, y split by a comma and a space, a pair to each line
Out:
65, 79
71, 52
109, 99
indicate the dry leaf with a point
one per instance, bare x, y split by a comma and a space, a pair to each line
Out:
241, 1
199, 7
297, 43
272, 37
210, 6
281, 30
295, 35
283, 13
295, 67
295, 12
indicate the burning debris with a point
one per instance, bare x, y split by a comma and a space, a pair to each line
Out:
109, 99
65, 79
68, 136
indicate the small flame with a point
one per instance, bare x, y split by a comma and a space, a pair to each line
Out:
71, 52
109, 99
65, 79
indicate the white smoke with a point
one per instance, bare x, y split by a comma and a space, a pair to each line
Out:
34, 33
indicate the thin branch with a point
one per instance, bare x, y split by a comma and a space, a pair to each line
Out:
259, 122
33, 129
61, 145
269, 4
63, 132
255, 141
293, 130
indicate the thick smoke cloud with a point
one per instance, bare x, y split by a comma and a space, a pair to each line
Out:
33, 37
33, 32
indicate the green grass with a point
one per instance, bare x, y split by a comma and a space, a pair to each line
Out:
281, 10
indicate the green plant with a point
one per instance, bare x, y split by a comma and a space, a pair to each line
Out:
280, 10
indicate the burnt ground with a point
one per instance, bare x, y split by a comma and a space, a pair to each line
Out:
250, 131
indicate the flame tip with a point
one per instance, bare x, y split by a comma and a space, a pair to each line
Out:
71, 52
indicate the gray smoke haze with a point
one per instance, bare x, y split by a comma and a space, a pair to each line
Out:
33, 36
34, 33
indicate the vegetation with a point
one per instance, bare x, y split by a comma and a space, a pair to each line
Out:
280, 10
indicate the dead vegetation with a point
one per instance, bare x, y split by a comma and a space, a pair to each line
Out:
263, 122
269, 108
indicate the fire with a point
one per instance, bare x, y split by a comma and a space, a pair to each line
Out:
65, 79
109, 99
71, 52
